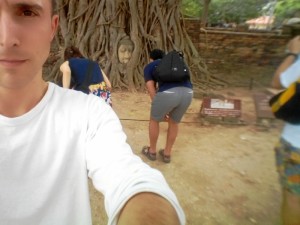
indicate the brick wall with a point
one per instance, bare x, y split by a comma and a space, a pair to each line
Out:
223, 45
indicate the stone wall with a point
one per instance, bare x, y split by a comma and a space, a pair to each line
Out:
237, 46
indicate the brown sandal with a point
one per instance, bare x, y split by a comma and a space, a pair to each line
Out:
148, 154
165, 158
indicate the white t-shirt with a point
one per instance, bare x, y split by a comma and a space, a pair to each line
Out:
291, 132
48, 153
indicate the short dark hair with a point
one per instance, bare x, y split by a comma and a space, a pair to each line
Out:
157, 54
72, 52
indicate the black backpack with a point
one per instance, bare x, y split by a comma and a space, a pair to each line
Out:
172, 68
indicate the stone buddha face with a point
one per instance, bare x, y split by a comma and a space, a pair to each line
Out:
125, 50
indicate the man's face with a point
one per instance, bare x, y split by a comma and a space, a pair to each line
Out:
26, 31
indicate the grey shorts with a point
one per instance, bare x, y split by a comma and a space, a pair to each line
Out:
174, 101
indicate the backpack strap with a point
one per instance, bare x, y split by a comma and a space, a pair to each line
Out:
84, 86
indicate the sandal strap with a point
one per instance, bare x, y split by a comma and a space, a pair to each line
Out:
166, 158
148, 154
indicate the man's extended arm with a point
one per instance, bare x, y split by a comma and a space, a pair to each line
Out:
148, 209
151, 88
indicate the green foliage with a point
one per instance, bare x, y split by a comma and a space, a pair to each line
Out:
191, 8
237, 11
287, 9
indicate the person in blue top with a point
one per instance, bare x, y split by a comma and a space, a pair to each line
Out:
75, 70
169, 103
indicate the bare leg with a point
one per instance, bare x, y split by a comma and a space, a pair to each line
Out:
171, 136
153, 134
290, 208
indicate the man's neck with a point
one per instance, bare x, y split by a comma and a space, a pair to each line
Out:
16, 102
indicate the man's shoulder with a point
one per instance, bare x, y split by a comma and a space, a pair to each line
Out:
65, 94
71, 99
154, 63
151, 66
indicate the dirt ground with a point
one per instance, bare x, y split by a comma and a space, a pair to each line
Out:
221, 174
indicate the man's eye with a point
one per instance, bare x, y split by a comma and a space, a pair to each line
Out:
28, 13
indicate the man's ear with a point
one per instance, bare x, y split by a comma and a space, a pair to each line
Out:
54, 25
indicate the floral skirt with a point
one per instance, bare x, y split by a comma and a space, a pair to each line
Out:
102, 91
288, 166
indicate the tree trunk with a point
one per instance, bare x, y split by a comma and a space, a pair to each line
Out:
205, 12
97, 26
